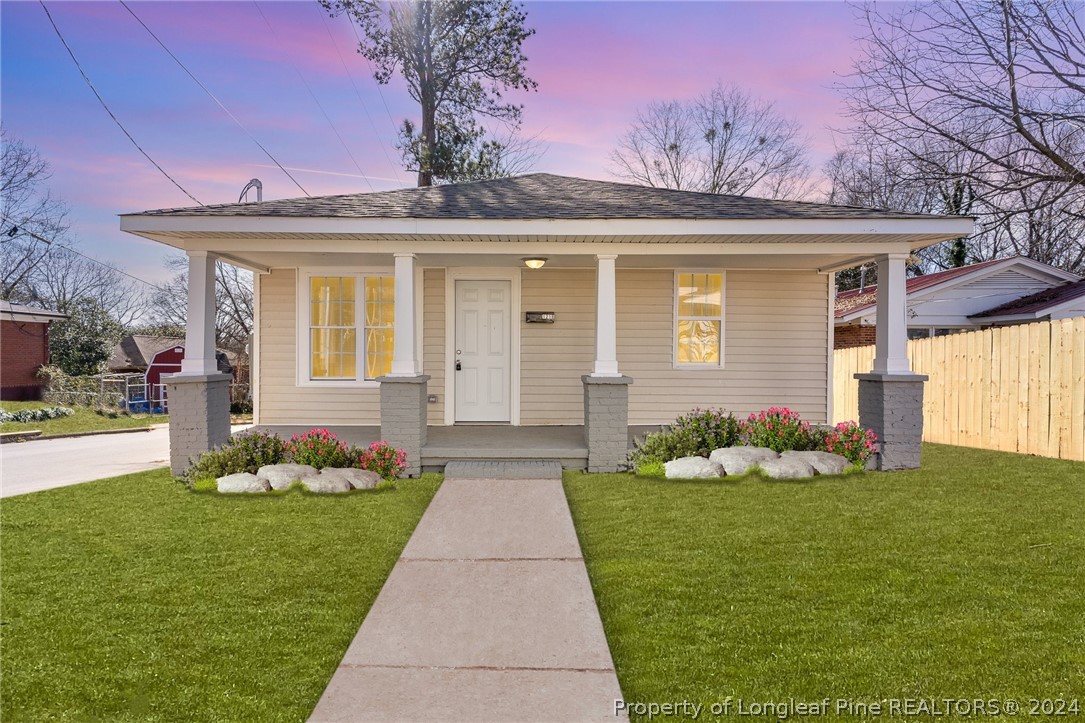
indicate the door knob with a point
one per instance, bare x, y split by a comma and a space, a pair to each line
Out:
459, 366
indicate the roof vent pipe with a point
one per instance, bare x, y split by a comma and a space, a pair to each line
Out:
862, 278
254, 183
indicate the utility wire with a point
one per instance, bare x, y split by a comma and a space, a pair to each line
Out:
15, 228
376, 133
107, 110
213, 97
317, 101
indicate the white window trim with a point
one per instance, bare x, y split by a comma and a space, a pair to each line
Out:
686, 366
302, 323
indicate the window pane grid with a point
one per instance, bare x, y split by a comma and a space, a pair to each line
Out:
332, 336
351, 316
380, 325
699, 319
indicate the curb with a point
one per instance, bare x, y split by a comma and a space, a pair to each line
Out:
35, 438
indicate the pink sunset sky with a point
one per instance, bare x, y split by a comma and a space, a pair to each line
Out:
595, 64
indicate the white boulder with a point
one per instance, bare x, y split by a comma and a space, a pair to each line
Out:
242, 482
786, 468
325, 483
281, 476
738, 460
692, 468
359, 479
822, 462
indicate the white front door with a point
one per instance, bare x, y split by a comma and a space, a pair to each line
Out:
483, 358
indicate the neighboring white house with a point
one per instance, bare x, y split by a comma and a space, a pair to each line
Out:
537, 300
949, 301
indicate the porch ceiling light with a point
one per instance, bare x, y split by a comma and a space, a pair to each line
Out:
534, 262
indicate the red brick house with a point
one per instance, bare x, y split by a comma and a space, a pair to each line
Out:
24, 348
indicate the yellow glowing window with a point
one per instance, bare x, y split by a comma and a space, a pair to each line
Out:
350, 336
379, 325
333, 335
699, 319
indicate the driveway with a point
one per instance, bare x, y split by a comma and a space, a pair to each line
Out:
47, 463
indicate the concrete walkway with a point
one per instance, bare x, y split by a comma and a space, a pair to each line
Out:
43, 464
487, 616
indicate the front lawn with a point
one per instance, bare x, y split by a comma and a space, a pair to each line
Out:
134, 599
965, 579
85, 419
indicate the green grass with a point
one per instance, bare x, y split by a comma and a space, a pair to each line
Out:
134, 599
965, 579
84, 420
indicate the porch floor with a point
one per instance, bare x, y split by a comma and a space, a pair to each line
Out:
477, 442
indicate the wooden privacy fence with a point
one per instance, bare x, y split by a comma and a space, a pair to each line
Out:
1014, 388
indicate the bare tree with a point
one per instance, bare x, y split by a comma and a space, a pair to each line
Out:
233, 303
29, 213
725, 141
990, 95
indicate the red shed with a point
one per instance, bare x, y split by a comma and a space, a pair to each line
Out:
167, 361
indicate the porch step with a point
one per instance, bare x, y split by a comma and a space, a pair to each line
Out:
503, 469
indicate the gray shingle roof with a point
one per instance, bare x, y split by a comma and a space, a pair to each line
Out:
538, 196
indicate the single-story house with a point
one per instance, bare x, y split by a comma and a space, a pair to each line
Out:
24, 349
460, 313
134, 353
948, 301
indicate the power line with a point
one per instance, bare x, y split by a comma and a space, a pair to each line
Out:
318, 105
107, 110
15, 229
213, 97
376, 133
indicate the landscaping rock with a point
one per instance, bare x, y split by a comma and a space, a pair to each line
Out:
786, 468
692, 468
359, 479
822, 462
325, 483
738, 460
281, 476
242, 482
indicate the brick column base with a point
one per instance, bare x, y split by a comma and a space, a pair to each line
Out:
892, 405
199, 408
403, 417
606, 421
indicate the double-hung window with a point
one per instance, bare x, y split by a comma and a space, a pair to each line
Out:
699, 319
351, 320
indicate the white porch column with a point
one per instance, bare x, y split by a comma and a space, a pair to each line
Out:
606, 319
405, 355
200, 325
891, 333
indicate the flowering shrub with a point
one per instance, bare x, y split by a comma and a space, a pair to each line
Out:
35, 415
694, 434
382, 458
246, 452
850, 440
317, 448
779, 429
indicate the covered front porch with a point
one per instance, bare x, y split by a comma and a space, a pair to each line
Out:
565, 443
428, 311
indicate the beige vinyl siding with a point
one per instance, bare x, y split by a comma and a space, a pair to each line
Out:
282, 401
433, 339
774, 346
775, 342
554, 356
